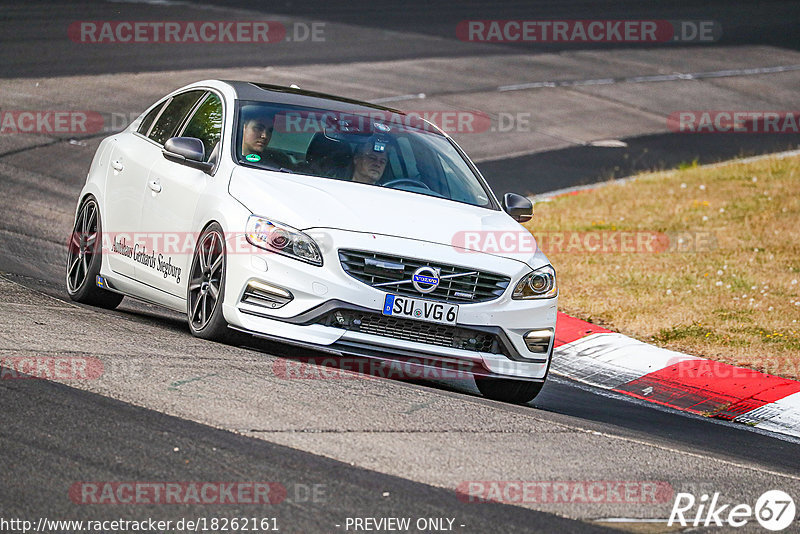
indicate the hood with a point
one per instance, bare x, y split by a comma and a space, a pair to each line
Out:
308, 203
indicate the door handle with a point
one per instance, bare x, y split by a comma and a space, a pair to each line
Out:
154, 186
117, 165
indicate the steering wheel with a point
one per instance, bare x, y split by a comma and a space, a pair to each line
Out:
407, 181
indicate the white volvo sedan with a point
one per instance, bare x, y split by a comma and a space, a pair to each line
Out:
319, 221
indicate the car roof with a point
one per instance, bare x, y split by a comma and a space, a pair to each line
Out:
295, 96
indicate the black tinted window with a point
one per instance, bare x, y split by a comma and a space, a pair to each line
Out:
206, 123
176, 110
149, 118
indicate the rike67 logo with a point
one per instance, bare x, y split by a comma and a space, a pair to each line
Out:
774, 510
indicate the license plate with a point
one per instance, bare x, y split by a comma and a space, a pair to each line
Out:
420, 309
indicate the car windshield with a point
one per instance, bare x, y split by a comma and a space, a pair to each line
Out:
379, 148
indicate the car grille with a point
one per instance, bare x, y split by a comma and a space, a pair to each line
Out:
410, 330
372, 268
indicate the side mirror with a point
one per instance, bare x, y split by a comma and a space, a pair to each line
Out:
187, 151
519, 207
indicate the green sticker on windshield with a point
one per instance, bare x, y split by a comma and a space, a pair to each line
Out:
253, 157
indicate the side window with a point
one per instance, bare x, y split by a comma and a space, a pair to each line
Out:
173, 114
206, 123
148, 119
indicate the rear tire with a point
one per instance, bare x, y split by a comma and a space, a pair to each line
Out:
84, 258
508, 390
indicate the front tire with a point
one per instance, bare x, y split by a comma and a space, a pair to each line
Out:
84, 258
508, 390
206, 288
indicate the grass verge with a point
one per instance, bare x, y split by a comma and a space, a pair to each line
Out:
703, 260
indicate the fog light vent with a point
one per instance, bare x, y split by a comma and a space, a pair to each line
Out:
266, 295
538, 341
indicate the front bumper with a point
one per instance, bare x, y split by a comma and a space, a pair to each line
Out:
317, 291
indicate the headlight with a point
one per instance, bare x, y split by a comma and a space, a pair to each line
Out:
540, 284
283, 239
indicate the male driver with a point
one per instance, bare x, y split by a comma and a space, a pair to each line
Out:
257, 124
369, 162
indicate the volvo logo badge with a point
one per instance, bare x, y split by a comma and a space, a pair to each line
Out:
425, 279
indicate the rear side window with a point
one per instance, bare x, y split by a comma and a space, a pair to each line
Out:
148, 119
177, 109
206, 123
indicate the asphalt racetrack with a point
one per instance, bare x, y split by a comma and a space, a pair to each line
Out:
170, 407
